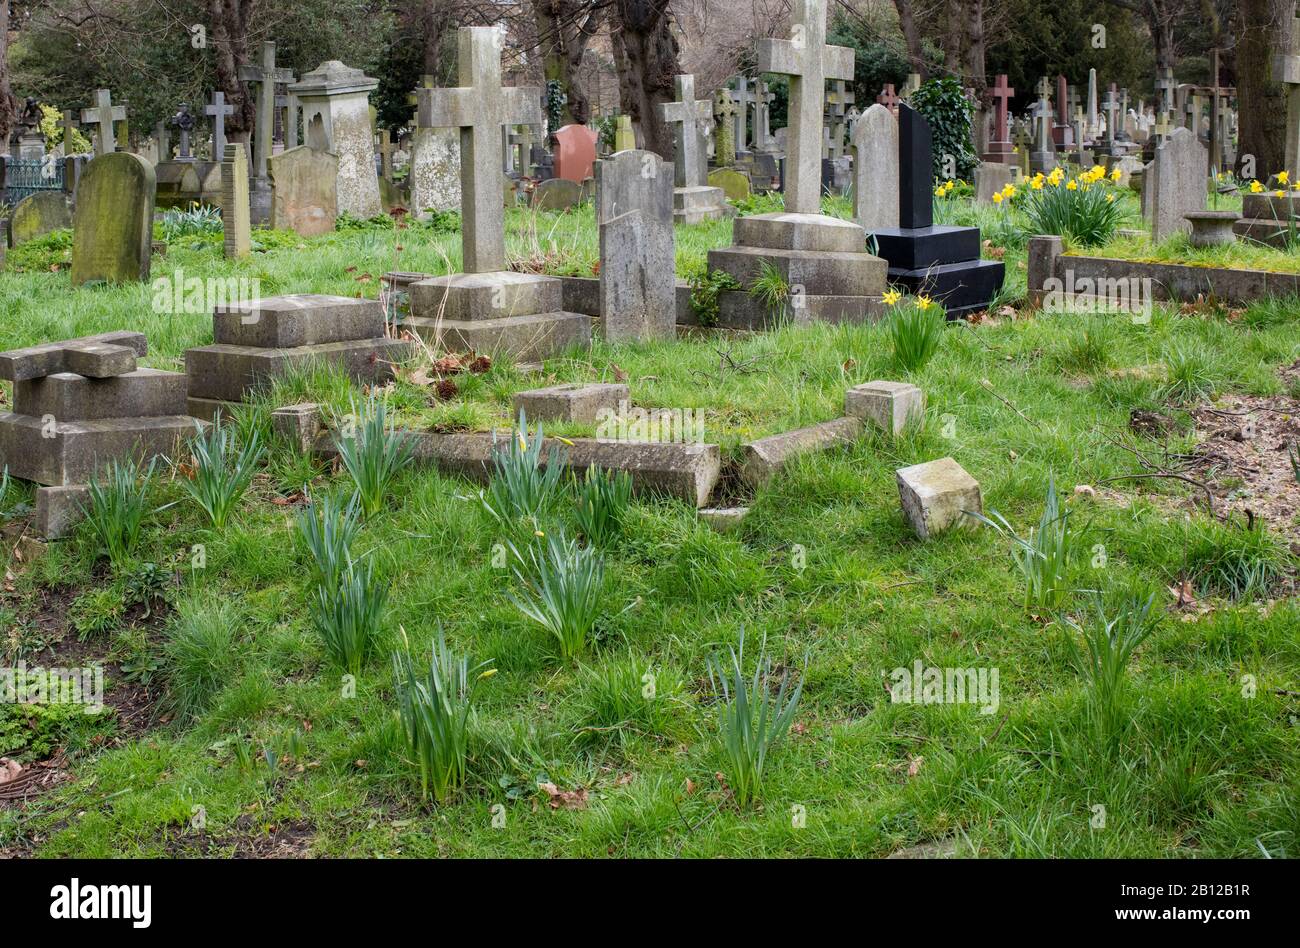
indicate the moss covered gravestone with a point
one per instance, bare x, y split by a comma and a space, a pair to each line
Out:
37, 215
112, 226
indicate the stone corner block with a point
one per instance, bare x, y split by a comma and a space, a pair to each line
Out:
60, 509
580, 402
938, 495
1043, 252
299, 424
891, 406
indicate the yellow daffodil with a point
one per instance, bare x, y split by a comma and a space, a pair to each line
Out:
997, 197
1110, 198
939, 192
1256, 187
1115, 175
1278, 194
1010, 190
1036, 184
1282, 177
1072, 186
890, 297
924, 301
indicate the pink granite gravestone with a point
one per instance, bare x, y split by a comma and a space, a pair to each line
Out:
575, 153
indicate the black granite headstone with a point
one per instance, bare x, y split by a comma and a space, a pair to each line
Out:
915, 207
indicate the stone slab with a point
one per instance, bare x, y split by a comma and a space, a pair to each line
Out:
59, 510
287, 322
764, 458
579, 402
920, 247
687, 472
960, 287
815, 232
67, 396
530, 338
74, 452
494, 295
819, 273
33, 362
231, 372
299, 424
724, 519
99, 360
937, 496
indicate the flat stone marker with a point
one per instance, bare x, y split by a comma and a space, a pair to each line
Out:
937, 495
764, 458
304, 198
890, 406
724, 519
112, 226
634, 215
875, 169
581, 402
258, 341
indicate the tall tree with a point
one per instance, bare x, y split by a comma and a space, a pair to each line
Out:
1263, 32
564, 29
646, 53
8, 101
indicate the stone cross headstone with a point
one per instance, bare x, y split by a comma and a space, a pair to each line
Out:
1216, 116
1286, 70
287, 108
724, 143
384, 152
763, 99
741, 99
234, 201
112, 224
1093, 118
266, 75
1178, 185
102, 115
809, 62
68, 123
336, 118
687, 114
875, 169
1111, 107
478, 107
183, 122
634, 214
219, 110
838, 101
1165, 86
1000, 147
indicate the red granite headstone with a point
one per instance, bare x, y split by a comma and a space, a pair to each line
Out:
575, 153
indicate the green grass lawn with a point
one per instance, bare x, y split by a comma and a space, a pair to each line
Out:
250, 740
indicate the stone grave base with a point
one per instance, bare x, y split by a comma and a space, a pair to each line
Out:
1268, 219
74, 452
224, 372
942, 262
503, 314
693, 205
823, 256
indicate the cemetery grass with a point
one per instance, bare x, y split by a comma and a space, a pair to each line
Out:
823, 572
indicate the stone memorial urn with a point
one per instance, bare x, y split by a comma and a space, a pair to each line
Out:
1212, 228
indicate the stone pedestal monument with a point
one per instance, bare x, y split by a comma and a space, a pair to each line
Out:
336, 118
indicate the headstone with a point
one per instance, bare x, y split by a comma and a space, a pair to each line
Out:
634, 213
889, 99
808, 62
219, 110
1043, 157
256, 341
693, 199
265, 75
724, 112
557, 194
941, 261
741, 99
102, 115
435, 165
336, 118
1178, 184
488, 308
184, 123
38, 214
575, 152
734, 184
1286, 70
763, 98
624, 137
304, 199
1093, 118
234, 202
990, 178
875, 169
112, 226
81, 404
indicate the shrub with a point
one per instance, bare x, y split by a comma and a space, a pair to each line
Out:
221, 474
373, 453
915, 328
948, 112
435, 711
1085, 209
561, 590
118, 505
751, 720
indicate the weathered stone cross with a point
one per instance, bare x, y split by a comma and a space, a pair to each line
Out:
219, 110
889, 99
1286, 69
1165, 89
1111, 106
685, 113
479, 106
809, 62
742, 98
68, 124
266, 76
1002, 92
103, 114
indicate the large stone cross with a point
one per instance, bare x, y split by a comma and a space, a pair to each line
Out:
1111, 106
686, 113
219, 110
479, 107
103, 114
1002, 92
266, 76
742, 98
1165, 89
809, 62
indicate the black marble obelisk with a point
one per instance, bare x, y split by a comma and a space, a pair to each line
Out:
916, 195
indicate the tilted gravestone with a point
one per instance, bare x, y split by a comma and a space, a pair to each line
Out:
875, 169
79, 405
112, 226
634, 212
257, 341
38, 214
303, 194
1178, 183
488, 308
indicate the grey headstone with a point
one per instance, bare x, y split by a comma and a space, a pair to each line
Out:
875, 169
112, 225
1178, 184
634, 211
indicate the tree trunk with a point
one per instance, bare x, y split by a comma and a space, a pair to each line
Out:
1263, 31
974, 63
911, 36
645, 50
564, 27
229, 41
8, 101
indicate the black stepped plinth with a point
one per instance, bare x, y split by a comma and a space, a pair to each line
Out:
914, 248
963, 287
